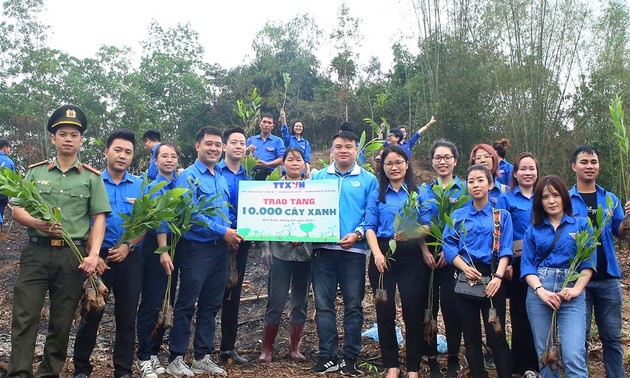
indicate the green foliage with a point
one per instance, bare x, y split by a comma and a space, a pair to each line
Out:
249, 162
286, 79
148, 213
249, 112
25, 195
621, 136
445, 209
275, 175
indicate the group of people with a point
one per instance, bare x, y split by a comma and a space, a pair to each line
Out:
516, 234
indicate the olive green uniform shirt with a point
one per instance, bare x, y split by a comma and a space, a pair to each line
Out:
79, 193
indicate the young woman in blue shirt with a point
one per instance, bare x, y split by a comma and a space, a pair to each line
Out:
544, 265
404, 270
156, 268
486, 155
296, 139
468, 246
519, 203
444, 158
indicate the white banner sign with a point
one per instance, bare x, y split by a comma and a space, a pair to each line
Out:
300, 211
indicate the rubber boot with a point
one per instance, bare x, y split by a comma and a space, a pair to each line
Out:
295, 340
269, 337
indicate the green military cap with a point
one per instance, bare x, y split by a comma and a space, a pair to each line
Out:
67, 115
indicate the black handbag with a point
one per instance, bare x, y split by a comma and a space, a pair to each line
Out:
471, 288
477, 288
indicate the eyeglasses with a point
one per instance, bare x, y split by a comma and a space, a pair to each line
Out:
397, 163
483, 157
446, 158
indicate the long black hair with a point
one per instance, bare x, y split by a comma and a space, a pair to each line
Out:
383, 181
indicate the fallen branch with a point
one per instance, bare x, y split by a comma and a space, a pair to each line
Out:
254, 298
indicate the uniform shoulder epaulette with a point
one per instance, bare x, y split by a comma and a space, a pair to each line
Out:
38, 164
91, 169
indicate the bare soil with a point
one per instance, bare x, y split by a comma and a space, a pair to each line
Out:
250, 327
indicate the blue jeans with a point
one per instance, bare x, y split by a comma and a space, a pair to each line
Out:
203, 273
605, 298
569, 315
332, 267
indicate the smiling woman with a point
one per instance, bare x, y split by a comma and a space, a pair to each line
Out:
406, 270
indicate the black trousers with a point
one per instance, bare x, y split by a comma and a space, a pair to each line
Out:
125, 279
523, 350
444, 299
232, 301
469, 309
407, 272
4, 201
154, 282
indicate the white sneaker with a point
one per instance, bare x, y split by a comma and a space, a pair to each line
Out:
531, 374
146, 369
206, 365
178, 368
157, 365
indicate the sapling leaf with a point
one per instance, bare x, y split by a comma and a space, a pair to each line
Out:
163, 249
392, 245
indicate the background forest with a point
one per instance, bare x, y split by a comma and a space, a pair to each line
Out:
540, 73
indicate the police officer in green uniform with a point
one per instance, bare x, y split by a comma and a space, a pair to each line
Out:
47, 264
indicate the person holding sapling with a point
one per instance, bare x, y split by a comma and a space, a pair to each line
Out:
267, 147
124, 275
519, 202
289, 266
296, 139
440, 199
551, 258
233, 171
204, 255
47, 264
392, 231
603, 292
478, 242
156, 269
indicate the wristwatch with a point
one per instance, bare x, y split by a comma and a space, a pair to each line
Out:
129, 245
359, 235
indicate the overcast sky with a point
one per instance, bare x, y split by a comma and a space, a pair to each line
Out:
226, 28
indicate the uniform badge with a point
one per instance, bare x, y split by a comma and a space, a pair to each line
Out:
42, 182
573, 235
453, 200
356, 184
131, 200
71, 113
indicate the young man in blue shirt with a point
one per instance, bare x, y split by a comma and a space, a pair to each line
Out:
267, 147
603, 292
204, 254
343, 262
124, 273
233, 172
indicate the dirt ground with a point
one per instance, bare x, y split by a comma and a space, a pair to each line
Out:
250, 323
